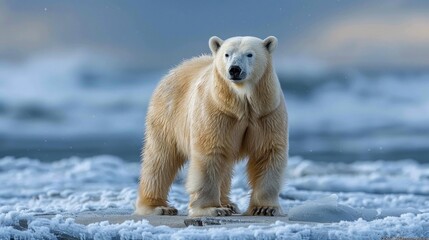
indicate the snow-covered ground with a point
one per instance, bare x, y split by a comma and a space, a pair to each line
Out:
362, 190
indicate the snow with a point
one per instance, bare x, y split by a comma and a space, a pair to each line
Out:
328, 210
362, 200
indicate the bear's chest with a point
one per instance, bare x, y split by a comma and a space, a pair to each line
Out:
244, 127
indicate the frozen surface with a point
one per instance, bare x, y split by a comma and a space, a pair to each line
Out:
327, 210
374, 200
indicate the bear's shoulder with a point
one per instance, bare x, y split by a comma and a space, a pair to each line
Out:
202, 60
192, 66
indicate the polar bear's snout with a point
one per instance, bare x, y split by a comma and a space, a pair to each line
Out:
236, 73
238, 65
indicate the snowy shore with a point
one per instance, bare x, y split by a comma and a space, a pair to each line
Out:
31, 189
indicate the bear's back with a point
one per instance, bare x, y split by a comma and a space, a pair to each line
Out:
172, 96
177, 83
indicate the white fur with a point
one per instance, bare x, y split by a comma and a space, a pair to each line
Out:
238, 48
198, 113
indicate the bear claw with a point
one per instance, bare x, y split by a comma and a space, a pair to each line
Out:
265, 211
166, 211
233, 207
223, 212
211, 211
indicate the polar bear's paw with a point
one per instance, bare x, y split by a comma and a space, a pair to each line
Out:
233, 207
165, 211
161, 210
264, 211
210, 211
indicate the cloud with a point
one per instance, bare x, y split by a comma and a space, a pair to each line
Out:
22, 33
375, 39
346, 34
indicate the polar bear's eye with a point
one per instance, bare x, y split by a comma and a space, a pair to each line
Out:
226, 55
249, 55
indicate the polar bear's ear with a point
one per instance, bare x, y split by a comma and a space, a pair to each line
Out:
215, 44
270, 43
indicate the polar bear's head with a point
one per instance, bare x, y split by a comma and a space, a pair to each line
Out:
241, 59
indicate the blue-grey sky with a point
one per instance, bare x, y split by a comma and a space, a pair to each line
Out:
158, 34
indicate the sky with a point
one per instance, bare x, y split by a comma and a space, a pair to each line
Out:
158, 34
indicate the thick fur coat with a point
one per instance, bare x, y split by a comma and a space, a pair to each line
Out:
199, 113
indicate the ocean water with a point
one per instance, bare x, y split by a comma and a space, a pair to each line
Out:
54, 107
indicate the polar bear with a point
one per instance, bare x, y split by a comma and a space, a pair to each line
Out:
213, 111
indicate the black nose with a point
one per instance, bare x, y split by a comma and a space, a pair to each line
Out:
235, 72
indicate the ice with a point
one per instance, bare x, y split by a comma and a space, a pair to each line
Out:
378, 177
323, 210
408, 225
328, 210
107, 183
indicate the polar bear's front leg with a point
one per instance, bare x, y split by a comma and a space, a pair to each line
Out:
159, 168
203, 184
265, 176
225, 190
